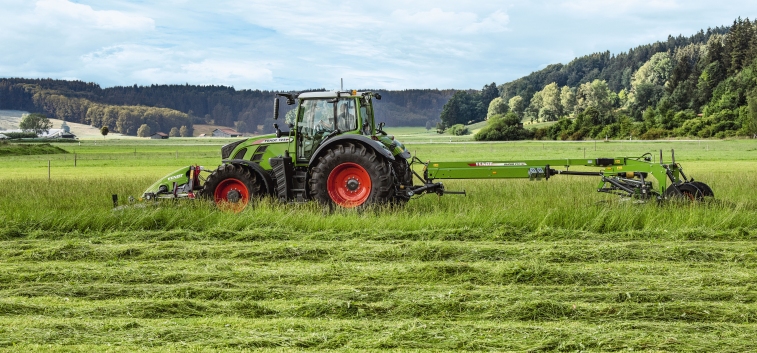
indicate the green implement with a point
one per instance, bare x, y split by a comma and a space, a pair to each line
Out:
625, 176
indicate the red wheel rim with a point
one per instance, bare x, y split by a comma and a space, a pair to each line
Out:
349, 185
232, 195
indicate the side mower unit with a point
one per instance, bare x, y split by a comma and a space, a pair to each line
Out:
236, 184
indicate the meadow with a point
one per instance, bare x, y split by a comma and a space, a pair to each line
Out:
515, 265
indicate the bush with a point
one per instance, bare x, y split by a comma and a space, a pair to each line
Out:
458, 130
504, 128
654, 134
144, 131
540, 133
185, 131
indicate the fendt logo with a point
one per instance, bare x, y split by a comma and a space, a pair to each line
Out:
494, 164
278, 140
175, 177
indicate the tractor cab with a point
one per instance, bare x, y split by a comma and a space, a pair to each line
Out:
323, 115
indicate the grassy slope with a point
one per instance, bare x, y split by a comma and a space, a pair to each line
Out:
516, 265
14, 149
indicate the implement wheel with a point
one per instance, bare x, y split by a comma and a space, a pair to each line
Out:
689, 192
231, 187
706, 190
350, 175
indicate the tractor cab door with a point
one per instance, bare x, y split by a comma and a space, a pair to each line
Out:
366, 117
319, 118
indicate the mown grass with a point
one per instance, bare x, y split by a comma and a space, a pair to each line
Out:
513, 266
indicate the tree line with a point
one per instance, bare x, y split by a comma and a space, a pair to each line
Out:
75, 101
163, 107
699, 86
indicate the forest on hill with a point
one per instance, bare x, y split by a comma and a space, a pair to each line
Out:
162, 107
700, 86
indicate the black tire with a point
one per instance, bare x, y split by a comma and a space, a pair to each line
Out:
232, 179
355, 155
689, 192
706, 190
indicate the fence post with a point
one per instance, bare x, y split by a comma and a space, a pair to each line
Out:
74, 159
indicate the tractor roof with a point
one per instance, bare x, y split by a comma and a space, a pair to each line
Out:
328, 94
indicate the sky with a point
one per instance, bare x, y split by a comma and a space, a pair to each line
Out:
296, 45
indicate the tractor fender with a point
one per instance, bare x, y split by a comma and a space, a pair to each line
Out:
376, 145
270, 187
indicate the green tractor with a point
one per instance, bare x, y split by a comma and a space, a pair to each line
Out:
336, 154
333, 153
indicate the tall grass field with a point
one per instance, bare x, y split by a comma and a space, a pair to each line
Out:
515, 265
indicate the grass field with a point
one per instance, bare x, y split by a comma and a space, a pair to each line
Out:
513, 266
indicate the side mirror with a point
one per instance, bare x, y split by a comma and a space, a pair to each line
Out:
276, 109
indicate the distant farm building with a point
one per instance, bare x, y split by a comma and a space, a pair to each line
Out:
57, 134
61, 134
3, 137
159, 136
226, 133
202, 135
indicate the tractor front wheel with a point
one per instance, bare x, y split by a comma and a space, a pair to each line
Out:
351, 175
231, 187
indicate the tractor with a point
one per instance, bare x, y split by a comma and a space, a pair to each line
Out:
334, 153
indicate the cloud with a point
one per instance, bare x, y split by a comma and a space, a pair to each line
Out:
390, 44
213, 70
147, 65
439, 21
66, 12
619, 7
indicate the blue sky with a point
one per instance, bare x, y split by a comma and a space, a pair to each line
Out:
312, 44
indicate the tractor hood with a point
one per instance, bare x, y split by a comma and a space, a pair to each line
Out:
226, 150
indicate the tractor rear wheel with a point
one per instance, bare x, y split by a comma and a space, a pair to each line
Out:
689, 192
231, 187
351, 175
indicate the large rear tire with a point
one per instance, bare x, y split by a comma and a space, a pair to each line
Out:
350, 175
231, 187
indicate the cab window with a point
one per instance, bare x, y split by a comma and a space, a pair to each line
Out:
317, 122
